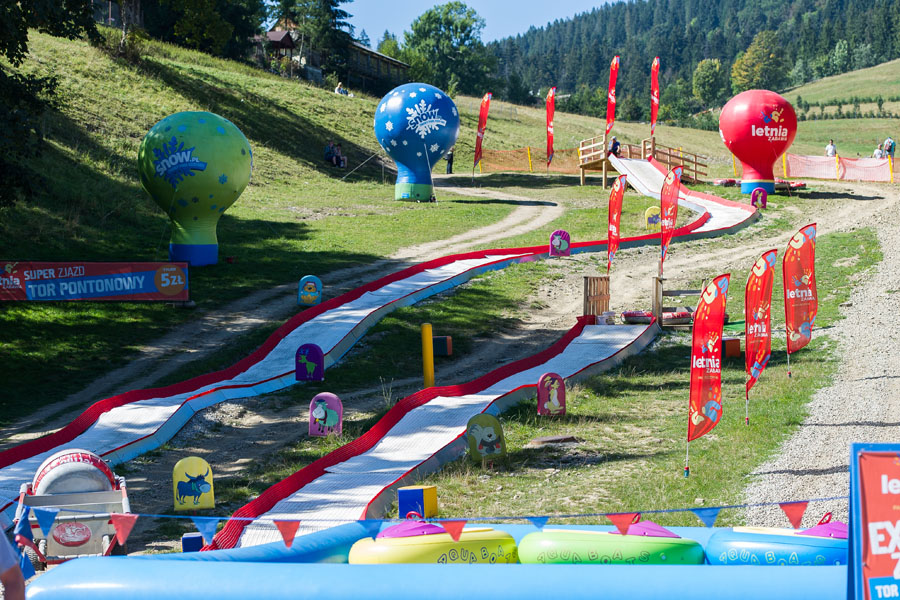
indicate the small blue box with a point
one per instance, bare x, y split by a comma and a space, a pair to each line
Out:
191, 542
420, 499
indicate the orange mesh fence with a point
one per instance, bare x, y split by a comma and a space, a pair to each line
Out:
564, 160
829, 167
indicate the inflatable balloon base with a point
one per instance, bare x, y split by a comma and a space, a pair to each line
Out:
748, 187
196, 255
420, 192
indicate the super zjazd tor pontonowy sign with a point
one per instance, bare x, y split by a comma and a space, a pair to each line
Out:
52, 281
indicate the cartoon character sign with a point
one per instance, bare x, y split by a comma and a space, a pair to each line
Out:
759, 198
706, 359
651, 218
309, 292
192, 484
551, 395
310, 363
758, 126
194, 165
326, 415
485, 436
416, 124
560, 243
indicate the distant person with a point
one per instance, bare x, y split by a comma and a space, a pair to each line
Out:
830, 149
329, 152
10, 574
889, 147
614, 146
339, 89
339, 159
879, 153
449, 158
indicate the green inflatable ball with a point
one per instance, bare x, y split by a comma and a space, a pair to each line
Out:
194, 165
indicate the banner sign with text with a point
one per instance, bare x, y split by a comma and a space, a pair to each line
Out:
758, 316
482, 125
615, 216
874, 556
654, 94
551, 108
611, 95
706, 359
58, 281
800, 301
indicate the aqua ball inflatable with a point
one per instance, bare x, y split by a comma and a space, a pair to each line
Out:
416, 124
194, 165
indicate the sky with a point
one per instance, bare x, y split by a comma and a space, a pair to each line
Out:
502, 18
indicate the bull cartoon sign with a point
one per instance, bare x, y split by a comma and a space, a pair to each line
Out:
192, 484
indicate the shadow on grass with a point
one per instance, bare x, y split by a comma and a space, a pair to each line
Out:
520, 180
262, 119
825, 195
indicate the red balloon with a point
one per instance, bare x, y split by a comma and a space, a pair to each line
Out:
758, 126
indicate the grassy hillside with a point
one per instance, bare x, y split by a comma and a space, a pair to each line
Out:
881, 79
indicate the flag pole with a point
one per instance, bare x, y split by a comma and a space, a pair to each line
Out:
687, 455
789, 364
747, 407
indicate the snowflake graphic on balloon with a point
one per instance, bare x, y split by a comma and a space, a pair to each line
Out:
423, 119
434, 148
389, 126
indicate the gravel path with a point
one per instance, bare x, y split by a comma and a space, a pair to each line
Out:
861, 405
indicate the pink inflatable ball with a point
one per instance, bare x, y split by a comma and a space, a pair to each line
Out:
73, 471
758, 126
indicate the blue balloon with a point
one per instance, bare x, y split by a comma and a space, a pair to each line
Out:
416, 124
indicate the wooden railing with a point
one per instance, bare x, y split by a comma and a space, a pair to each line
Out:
592, 157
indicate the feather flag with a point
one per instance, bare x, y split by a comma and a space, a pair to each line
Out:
668, 212
615, 215
611, 94
758, 321
654, 95
482, 125
551, 108
800, 301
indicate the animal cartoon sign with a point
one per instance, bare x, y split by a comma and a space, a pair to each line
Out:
310, 363
326, 415
192, 484
551, 395
652, 219
560, 243
485, 436
309, 292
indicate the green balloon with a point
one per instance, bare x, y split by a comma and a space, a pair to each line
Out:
194, 165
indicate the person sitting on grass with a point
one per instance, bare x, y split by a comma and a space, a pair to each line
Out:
339, 159
329, 152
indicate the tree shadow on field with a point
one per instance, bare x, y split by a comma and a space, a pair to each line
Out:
826, 195
263, 120
520, 180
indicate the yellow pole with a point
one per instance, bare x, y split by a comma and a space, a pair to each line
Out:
480, 171
530, 168
837, 167
733, 165
891, 167
427, 355
784, 164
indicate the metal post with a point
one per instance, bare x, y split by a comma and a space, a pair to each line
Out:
427, 355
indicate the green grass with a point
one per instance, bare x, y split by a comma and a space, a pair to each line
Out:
630, 422
883, 79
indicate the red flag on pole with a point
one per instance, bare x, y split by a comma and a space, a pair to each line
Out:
668, 212
800, 301
551, 108
654, 94
482, 124
611, 94
615, 215
794, 512
758, 319
706, 359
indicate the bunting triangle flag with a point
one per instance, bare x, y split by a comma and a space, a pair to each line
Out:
288, 530
623, 521
26, 566
123, 523
23, 528
538, 522
707, 516
794, 512
454, 528
45, 518
206, 526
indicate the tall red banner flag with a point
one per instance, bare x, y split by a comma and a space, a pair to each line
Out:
611, 94
668, 212
706, 359
654, 94
758, 321
615, 215
482, 125
551, 108
800, 300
